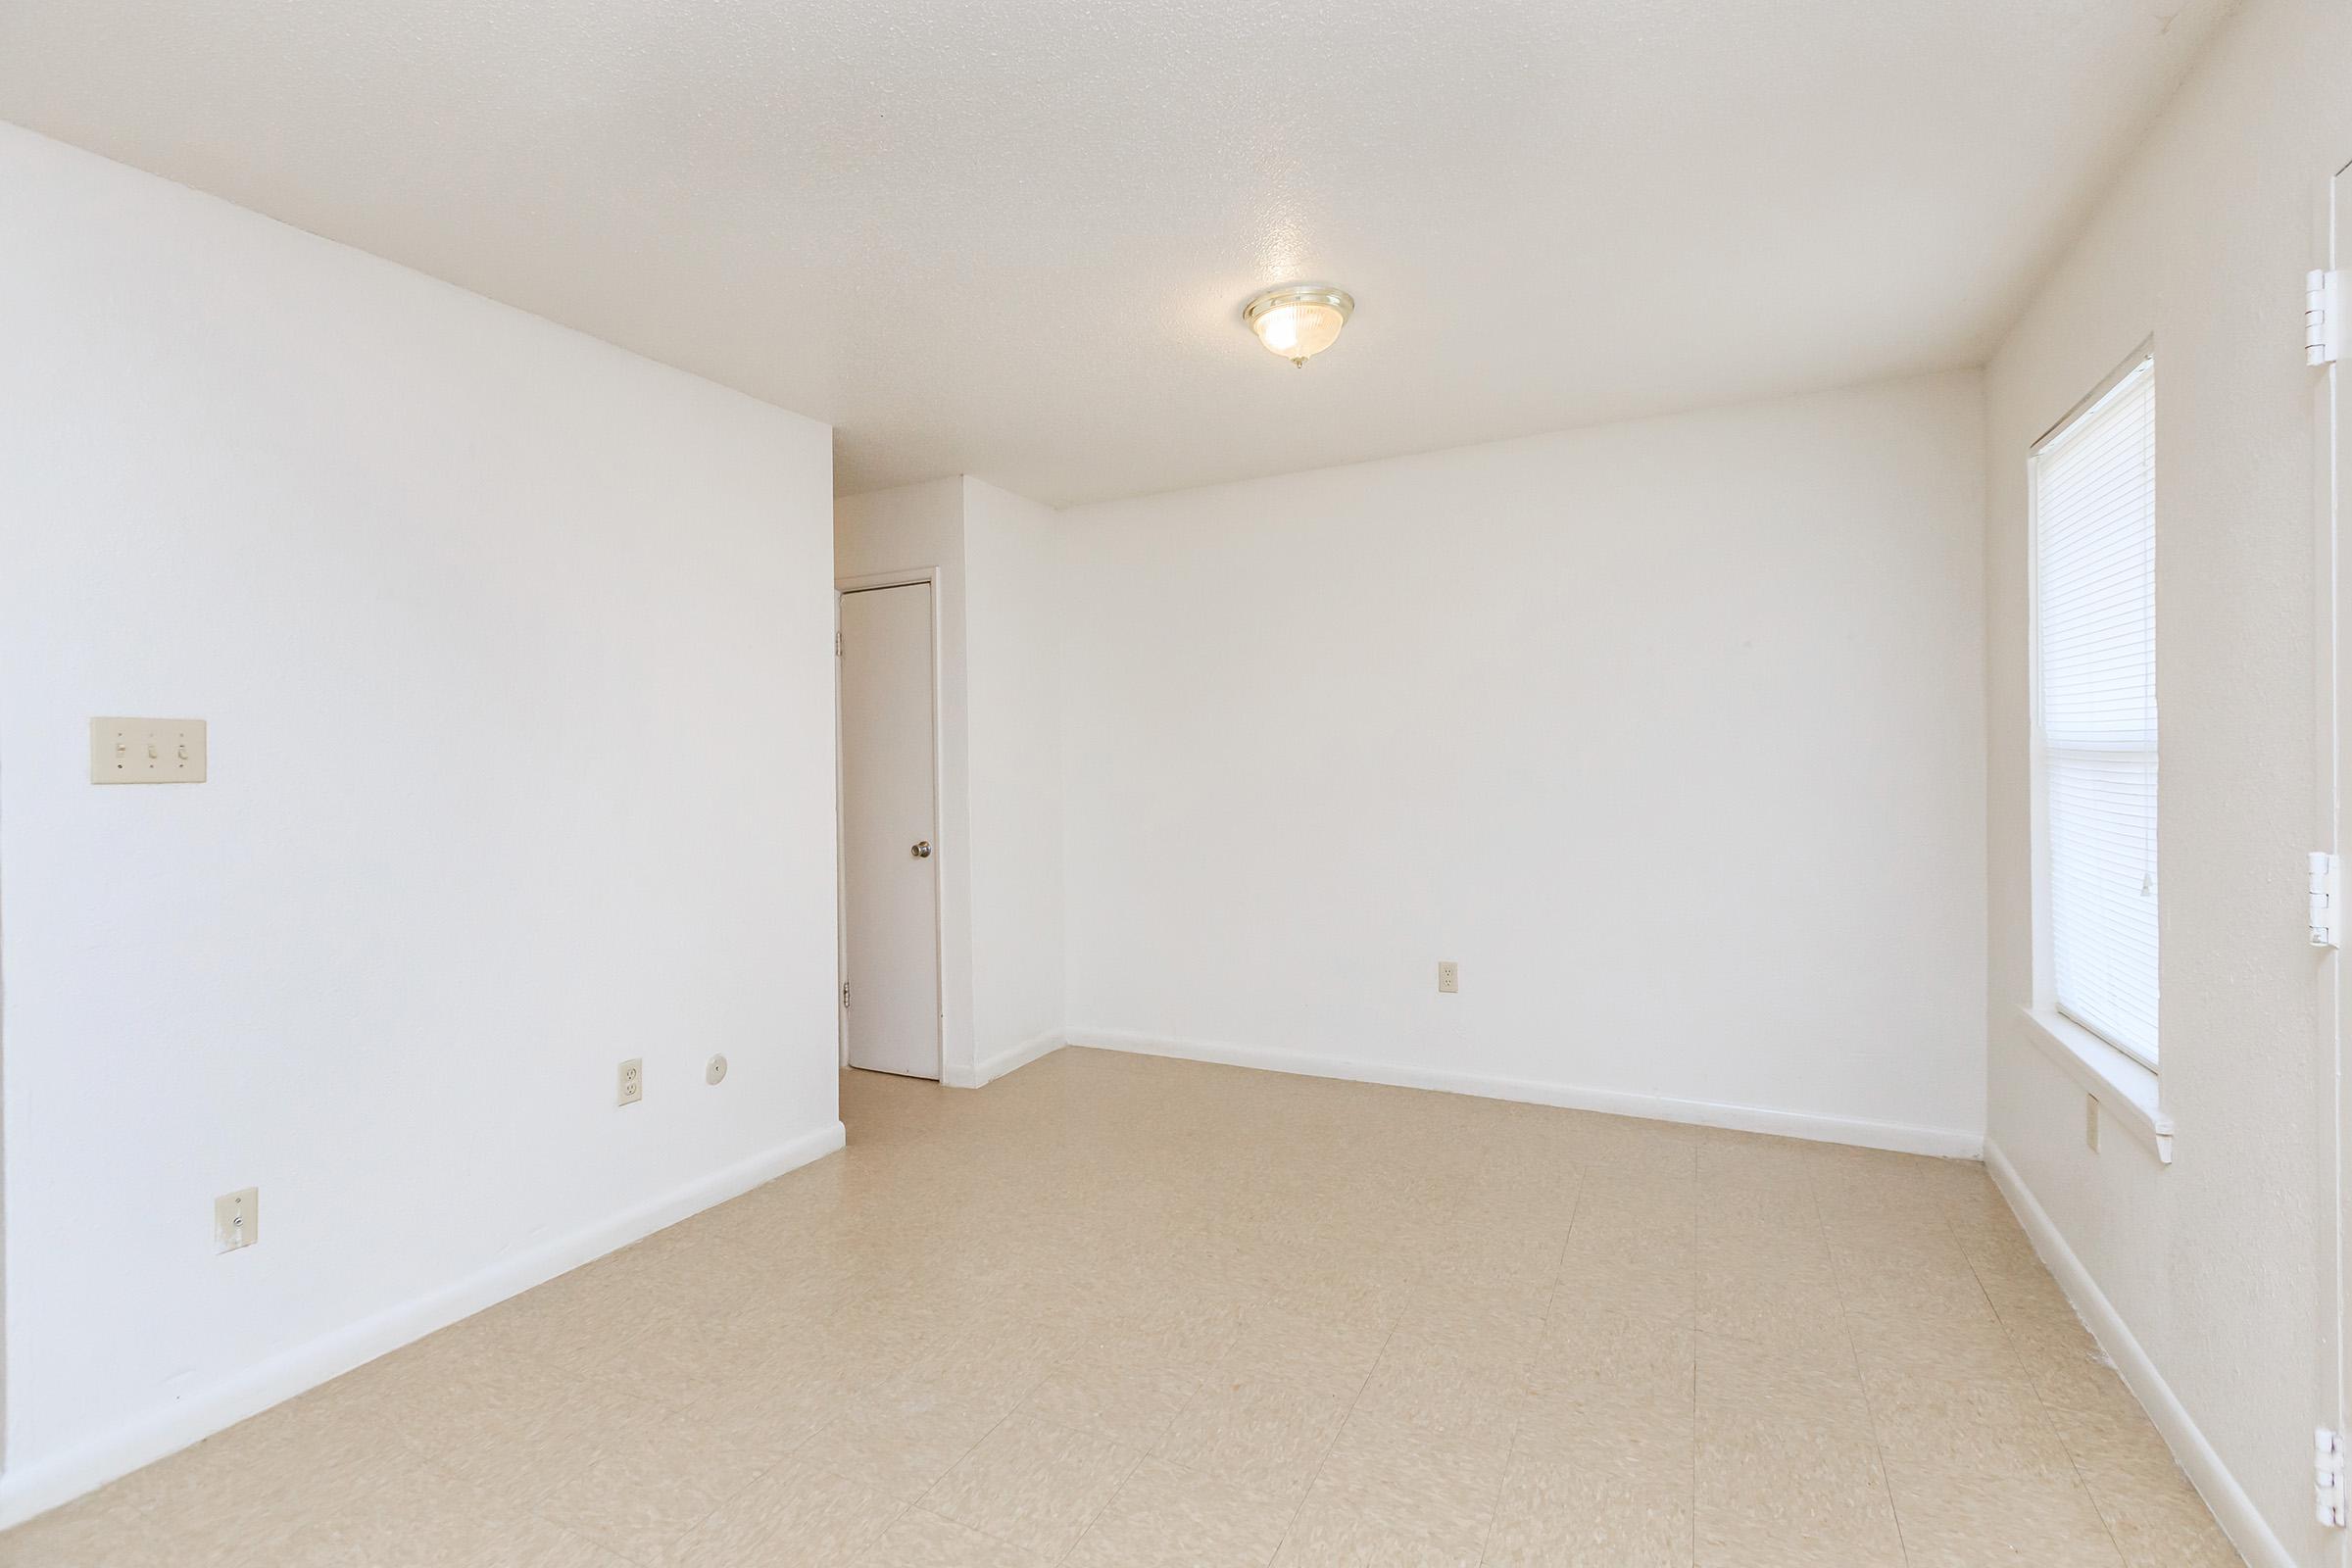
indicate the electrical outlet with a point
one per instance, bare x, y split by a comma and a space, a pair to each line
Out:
236, 1219
1449, 976
632, 1081
2091, 1122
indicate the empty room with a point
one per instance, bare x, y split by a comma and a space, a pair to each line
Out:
1537, 782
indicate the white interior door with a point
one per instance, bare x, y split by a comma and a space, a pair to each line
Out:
890, 863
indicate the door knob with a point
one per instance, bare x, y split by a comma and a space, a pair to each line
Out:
922, 851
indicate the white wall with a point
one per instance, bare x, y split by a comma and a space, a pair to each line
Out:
516, 654
1013, 654
1670, 733
2218, 1264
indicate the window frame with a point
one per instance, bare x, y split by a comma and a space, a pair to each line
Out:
2055, 1021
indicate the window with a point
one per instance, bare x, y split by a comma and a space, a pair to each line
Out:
2094, 558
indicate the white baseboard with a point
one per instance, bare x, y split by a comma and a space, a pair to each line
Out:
991, 1068
1951, 1143
2232, 1508
63, 1476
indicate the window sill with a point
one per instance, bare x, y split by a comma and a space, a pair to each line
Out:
2124, 1090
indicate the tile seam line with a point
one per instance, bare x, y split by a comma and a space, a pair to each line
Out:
1845, 1323
2042, 1401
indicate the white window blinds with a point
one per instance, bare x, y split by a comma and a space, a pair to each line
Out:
2094, 512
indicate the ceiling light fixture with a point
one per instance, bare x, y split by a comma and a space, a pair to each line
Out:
1299, 320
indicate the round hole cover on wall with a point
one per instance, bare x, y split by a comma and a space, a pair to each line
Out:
717, 1069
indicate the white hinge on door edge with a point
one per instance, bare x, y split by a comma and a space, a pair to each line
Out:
845, 992
837, 645
2326, 900
2322, 317
2328, 1477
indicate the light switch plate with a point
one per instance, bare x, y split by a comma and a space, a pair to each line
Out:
236, 1219
147, 751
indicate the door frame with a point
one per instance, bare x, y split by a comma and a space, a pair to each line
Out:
2332, 443
906, 577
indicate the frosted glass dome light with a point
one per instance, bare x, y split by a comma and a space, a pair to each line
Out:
1299, 320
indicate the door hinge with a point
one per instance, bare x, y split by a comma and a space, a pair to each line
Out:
2328, 1476
837, 645
2326, 900
845, 992
2322, 317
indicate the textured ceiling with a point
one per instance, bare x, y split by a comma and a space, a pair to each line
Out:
1012, 237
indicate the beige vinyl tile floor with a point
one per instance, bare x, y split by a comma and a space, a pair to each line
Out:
1117, 1311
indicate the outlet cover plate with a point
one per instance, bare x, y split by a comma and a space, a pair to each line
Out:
1449, 976
632, 1081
